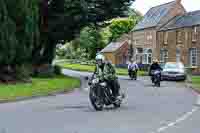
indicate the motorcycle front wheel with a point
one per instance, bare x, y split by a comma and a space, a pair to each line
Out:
158, 84
98, 106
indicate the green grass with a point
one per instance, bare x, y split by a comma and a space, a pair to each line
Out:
77, 67
87, 68
39, 86
196, 82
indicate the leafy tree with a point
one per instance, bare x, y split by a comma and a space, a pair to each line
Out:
31, 29
133, 13
19, 33
66, 18
106, 35
120, 26
91, 41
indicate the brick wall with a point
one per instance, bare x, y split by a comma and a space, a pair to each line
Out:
184, 45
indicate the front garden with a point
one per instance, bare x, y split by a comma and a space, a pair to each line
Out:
38, 87
196, 82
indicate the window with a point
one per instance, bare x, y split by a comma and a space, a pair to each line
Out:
149, 60
139, 50
129, 41
147, 57
193, 56
135, 42
163, 55
179, 36
194, 34
144, 59
165, 37
149, 36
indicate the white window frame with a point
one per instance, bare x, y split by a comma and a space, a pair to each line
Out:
193, 56
135, 42
149, 36
147, 57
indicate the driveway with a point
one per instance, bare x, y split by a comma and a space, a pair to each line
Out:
168, 109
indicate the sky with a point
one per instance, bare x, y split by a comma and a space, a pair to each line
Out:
144, 5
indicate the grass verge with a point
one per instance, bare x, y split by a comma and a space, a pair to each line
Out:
38, 87
196, 82
87, 68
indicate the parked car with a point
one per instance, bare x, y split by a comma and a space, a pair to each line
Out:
173, 71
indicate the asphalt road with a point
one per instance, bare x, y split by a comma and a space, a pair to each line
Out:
168, 109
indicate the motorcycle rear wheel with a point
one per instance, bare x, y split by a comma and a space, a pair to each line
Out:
117, 104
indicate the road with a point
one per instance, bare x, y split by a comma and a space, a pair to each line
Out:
168, 109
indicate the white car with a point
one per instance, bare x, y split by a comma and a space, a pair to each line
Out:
173, 71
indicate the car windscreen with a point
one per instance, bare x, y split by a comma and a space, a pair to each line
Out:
171, 66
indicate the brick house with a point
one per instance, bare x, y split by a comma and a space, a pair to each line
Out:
179, 40
116, 52
145, 35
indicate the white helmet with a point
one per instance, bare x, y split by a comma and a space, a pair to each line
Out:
100, 57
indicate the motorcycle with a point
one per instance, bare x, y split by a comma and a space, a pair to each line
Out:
100, 95
156, 77
133, 74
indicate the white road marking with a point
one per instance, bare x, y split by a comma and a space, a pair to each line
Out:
177, 121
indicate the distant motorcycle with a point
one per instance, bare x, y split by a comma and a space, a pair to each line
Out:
156, 77
133, 74
100, 95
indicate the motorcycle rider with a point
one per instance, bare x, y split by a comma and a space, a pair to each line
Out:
155, 66
132, 66
106, 72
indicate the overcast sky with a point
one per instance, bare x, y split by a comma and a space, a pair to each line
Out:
144, 5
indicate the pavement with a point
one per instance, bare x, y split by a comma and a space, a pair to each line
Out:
169, 109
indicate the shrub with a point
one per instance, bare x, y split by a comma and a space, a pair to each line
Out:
23, 72
45, 70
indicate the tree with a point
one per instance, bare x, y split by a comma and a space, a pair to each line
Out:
66, 18
31, 29
19, 33
120, 26
133, 13
91, 40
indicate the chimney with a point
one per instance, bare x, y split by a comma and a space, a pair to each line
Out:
178, 1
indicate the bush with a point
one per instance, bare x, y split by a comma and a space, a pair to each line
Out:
45, 71
84, 63
23, 72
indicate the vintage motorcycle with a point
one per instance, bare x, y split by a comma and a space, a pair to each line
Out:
133, 74
101, 95
156, 77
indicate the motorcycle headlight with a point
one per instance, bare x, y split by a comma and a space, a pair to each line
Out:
103, 84
95, 81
